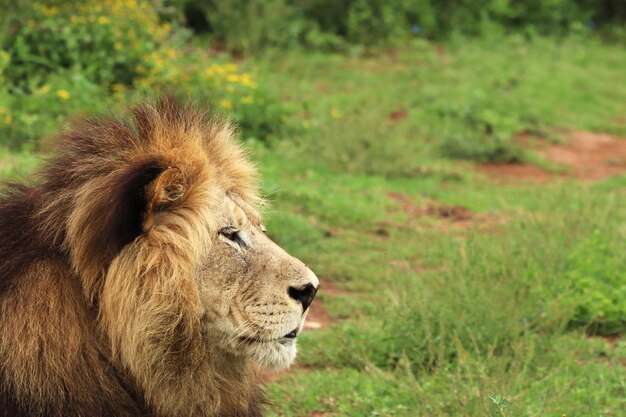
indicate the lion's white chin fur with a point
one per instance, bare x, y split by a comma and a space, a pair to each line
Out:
274, 356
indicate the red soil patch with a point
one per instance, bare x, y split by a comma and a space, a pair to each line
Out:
432, 209
457, 217
398, 115
586, 156
590, 156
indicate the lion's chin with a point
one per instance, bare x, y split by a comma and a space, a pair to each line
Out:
275, 355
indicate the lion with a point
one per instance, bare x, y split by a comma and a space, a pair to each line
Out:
137, 278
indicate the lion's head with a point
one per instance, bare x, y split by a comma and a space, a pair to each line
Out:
159, 219
255, 295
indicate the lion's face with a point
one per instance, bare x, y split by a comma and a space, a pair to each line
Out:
255, 296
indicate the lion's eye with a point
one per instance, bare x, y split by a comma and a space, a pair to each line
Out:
232, 234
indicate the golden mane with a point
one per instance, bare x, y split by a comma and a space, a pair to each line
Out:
91, 321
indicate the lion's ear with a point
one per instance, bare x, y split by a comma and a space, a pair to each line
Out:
166, 189
144, 189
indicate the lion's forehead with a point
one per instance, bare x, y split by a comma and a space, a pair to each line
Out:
242, 214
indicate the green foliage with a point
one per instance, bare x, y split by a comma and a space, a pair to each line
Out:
231, 89
248, 25
106, 41
63, 57
253, 25
597, 270
17, 165
33, 115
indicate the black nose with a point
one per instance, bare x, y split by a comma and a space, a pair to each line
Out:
303, 295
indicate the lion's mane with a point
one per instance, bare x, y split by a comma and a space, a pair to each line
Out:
90, 325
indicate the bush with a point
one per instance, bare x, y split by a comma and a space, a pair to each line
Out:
480, 128
106, 41
597, 270
229, 87
67, 57
251, 25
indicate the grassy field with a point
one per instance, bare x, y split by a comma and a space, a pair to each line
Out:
453, 294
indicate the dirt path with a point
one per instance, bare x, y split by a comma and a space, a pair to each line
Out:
586, 156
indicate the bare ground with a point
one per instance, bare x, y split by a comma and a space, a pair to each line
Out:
452, 218
586, 156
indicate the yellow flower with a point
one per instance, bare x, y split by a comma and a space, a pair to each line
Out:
63, 95
247, 100
8, 119
233, 78
335, 113
226, 104
230, 67
103, 20
3, 109
247, 80
214, 70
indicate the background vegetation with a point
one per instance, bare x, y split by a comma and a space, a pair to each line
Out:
369, 119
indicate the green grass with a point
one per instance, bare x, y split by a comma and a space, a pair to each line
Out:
494, 322
493, 311
14, 165
494, 318
466, 100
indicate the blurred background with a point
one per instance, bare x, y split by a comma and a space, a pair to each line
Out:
454, 171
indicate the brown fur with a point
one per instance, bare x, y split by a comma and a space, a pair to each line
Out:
111, 265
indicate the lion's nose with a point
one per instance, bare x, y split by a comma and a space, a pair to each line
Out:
303, 295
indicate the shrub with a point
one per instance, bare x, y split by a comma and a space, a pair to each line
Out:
597, 271
230, 88
106, 40
480, 129
69, 57
248, 25
251, 25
